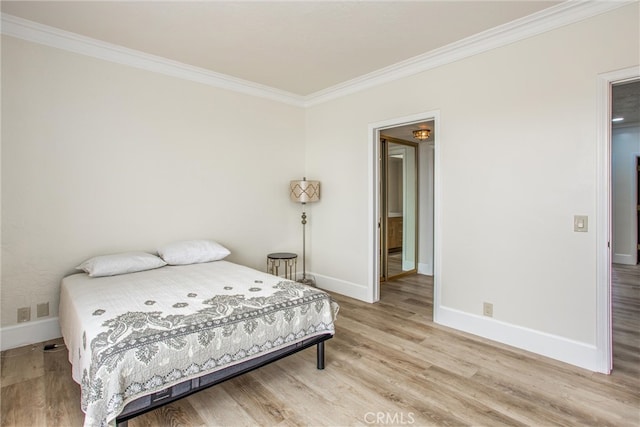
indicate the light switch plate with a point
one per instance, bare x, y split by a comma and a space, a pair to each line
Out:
580, 223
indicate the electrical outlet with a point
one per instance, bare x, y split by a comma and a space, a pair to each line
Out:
487, 309
581, 223
43, 309
24, 314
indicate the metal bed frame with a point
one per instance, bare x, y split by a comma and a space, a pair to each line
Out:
155, 400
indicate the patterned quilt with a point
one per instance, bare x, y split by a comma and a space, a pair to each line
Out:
135, 334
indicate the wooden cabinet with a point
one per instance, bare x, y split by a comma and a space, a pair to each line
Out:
394, 236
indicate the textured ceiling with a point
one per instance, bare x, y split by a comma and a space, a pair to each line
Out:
297, 46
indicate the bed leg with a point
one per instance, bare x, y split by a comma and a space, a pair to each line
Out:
320, 354
122, 423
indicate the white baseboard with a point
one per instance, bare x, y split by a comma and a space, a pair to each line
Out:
556, 347
343, 287
29, 333
623, 259
426, 269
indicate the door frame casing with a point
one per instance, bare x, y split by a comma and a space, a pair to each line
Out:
373, 282
604, 344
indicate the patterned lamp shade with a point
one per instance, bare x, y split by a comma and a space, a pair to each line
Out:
304, 191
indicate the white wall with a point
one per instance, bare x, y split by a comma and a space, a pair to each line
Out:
99, 157
517, 148
624, 151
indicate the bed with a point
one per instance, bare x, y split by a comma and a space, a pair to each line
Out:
139, 340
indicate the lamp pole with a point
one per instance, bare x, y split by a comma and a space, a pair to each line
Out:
304, 245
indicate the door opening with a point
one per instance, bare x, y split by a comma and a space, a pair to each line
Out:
625, 149
425, 247
625, 174
605, 236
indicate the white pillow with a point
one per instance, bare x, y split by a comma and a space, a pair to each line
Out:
192, 252
127, 262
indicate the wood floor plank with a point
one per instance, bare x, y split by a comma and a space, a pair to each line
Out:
428, 354
179, 413
21, 364
23, 403
412, 394
295, 391
219, 409
523, 411
263, 404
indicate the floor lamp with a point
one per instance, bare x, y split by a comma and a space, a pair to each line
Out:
304, 192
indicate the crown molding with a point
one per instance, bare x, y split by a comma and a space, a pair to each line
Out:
565, 13
43, 34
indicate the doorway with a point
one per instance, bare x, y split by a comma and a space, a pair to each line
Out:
605, 238
625, 148
428, 259
625, 173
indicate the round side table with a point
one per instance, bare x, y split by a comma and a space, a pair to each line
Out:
286, 260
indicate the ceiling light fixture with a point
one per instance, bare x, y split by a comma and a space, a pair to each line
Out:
617, 119
421, 134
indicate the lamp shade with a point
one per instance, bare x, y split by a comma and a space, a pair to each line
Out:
304, 191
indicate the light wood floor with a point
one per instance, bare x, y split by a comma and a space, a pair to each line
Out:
387, 365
